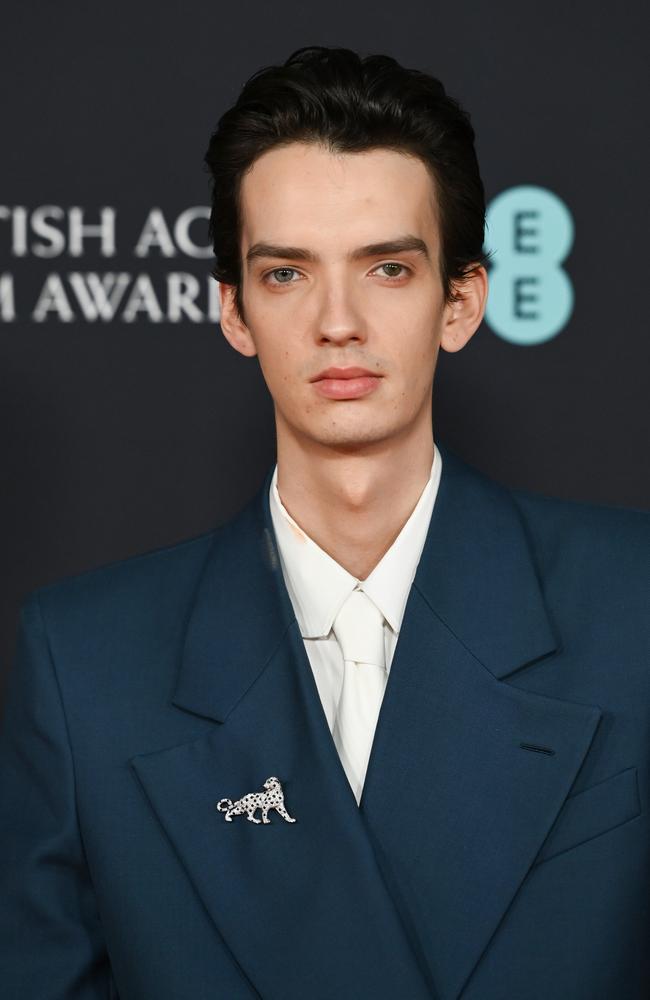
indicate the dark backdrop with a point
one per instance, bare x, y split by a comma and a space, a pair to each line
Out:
122, 435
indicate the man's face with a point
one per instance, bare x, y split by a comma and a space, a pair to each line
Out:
319, 291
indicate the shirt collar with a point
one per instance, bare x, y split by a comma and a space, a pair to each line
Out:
318, 585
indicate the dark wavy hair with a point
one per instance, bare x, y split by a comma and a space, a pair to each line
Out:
349, 103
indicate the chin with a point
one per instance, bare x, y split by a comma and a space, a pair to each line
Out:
350, 439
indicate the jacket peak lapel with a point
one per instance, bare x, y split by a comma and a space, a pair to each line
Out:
302, 906
239, 616
456, 805
477, 571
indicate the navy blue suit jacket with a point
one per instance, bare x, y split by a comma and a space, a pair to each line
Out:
501, 848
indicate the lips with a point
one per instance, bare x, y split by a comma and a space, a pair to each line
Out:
346, 383
344, 373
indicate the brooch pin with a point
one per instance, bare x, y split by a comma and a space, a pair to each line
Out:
272, 798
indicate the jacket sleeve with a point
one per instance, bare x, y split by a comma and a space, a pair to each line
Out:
51, 943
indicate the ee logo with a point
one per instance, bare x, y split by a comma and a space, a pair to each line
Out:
530, 233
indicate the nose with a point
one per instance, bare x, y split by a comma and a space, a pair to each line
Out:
339, 319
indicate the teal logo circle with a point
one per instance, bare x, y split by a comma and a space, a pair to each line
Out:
530, 234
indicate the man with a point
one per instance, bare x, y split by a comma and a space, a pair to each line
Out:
385, 734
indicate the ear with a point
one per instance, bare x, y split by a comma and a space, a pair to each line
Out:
463, 317
232, 325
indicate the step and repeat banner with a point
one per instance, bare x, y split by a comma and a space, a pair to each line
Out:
128, 423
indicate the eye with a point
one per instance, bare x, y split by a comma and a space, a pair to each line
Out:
394, 264
281, 273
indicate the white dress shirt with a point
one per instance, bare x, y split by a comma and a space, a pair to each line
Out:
318, 585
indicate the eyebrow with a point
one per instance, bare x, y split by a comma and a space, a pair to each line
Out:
399, 244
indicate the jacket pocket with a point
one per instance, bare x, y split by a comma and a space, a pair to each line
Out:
593, 811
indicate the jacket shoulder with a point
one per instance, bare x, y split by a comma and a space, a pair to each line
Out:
608, 521
591, 537
548, 517
154, 577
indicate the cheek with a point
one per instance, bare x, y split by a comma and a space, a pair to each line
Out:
280, 360
413, 345
413, 312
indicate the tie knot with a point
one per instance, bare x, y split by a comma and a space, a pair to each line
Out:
359, 629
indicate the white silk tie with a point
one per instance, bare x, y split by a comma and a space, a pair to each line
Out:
358, 628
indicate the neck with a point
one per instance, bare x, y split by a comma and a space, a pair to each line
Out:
354, 504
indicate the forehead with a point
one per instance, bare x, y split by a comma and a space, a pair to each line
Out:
302, 193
